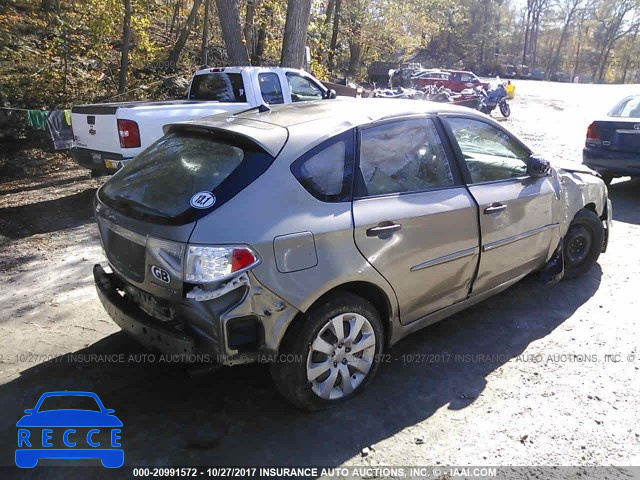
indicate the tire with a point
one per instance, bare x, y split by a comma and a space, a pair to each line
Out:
323, 387
505, 109
582, 244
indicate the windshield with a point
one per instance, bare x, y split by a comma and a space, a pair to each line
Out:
160, 183
221, 87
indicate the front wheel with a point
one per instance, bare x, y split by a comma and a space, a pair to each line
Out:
582, 244
505, 109
331, 353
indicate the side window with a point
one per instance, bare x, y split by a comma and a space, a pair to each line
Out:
402, 156
326, 170
490, 153
465, 77
303, 89
270, 88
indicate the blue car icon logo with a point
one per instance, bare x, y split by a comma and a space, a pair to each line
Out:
69, 425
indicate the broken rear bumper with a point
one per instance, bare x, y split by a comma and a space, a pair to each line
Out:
144, 328
237, 325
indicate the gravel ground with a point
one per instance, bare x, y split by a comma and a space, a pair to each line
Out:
534, 376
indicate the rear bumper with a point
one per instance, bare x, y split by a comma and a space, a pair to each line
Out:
231, 329
138, 324
95, 159
618, 163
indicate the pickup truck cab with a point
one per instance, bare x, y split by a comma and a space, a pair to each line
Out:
107, 135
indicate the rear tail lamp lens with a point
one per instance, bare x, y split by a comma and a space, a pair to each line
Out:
209, 264
129, 134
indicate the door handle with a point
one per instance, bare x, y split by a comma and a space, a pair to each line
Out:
383, 228
495, 207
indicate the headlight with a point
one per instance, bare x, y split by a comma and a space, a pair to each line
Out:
209, 264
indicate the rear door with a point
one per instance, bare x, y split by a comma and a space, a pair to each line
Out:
415, 221
515, 209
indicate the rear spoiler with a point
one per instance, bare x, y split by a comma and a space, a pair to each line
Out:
269, 137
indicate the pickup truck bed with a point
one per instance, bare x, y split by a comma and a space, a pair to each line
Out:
109, 134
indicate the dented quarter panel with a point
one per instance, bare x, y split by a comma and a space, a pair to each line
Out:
578, 190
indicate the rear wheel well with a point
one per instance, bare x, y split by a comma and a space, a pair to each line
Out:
369, 292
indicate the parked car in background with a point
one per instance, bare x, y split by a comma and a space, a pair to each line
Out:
538, 75
107, 135
313, 236
454, 80
523, 72
612, 147
510, 71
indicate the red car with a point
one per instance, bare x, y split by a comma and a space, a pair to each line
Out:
455, 80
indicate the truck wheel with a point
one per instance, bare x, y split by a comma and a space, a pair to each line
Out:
582, 244
330, 353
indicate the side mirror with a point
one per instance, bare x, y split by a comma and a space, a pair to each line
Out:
29, 411
329, 94
538, 166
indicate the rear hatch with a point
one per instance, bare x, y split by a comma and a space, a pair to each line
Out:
147, 212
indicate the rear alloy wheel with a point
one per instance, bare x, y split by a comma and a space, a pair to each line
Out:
329, 354
582, 244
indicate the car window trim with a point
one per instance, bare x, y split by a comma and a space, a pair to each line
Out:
462, 164
458, 180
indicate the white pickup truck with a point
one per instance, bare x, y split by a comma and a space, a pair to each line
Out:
108, 134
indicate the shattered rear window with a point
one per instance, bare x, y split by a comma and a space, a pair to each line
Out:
161, 182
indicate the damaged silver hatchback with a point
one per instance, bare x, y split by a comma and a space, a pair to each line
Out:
315, 235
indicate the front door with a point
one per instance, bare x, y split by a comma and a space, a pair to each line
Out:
515, 209
415, 221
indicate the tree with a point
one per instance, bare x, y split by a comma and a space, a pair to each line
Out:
126, 42
232, 32
295, 33
174, 55
568, 8
204, 50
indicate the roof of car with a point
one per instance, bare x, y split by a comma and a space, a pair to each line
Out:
354, 111
270, 129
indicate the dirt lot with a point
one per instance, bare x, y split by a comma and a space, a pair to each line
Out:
535, 376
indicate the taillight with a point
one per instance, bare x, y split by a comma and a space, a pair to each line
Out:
593, 134
205, 264
241, 258
129, 134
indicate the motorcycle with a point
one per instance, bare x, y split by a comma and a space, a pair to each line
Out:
496, 96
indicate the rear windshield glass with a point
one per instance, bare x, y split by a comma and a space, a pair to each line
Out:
221, 87
161, 184
628, 108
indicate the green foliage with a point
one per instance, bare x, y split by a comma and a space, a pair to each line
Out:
55, 53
